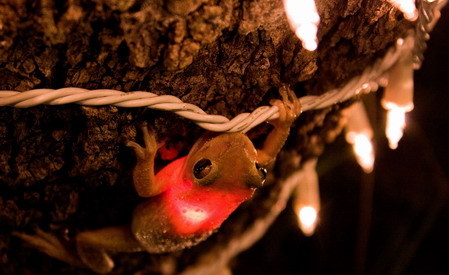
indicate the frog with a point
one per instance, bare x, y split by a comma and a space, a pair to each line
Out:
187, 200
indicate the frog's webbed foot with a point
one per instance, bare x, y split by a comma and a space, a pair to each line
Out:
151, 145
51, 245
289, 108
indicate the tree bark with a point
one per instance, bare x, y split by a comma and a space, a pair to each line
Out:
65, 168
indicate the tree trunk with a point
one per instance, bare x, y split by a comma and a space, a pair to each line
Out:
65, 169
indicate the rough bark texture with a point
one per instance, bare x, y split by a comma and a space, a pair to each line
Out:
65, 168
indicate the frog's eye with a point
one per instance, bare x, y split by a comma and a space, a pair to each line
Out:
262, 171
202, 168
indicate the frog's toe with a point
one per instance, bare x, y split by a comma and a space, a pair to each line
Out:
149, 137
291, 103
138, 150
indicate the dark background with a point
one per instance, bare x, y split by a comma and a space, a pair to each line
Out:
393, 221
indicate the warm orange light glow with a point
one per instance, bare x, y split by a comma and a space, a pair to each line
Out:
359, 133
307, 217
304, 19
407, 7
395, 126
364, 153
307, 199
398, 95
307, 34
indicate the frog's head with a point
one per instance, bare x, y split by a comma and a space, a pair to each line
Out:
218, 175
227, 160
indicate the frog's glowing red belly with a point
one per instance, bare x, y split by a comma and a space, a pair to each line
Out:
195, 212
192, 208
185, 213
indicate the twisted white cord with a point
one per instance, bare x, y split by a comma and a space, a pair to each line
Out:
366, 82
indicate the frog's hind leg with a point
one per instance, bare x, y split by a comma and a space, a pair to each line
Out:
51, 245
93, 246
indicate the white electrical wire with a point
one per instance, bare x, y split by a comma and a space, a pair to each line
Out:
368, 81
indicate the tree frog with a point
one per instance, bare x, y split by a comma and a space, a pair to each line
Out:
187, 200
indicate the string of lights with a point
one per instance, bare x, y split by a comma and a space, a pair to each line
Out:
397, 100
366, 82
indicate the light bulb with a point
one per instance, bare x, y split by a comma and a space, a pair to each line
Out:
303, 18
359, 133
363, 149
395, 126
307, 199
407, 7
307, 216
398, 96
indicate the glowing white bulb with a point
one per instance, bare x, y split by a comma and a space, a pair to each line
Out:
307, 199
303, 18
407, 7
395, 126
359, 133
398, 96
364, 153
307, 216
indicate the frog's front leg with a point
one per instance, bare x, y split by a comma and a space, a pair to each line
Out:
289, 110
143, 172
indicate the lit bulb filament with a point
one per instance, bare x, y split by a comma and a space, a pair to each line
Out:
307, 216
303, 18
364, 153
398, 96
359, 134
395, 126
307, 199
407, 7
